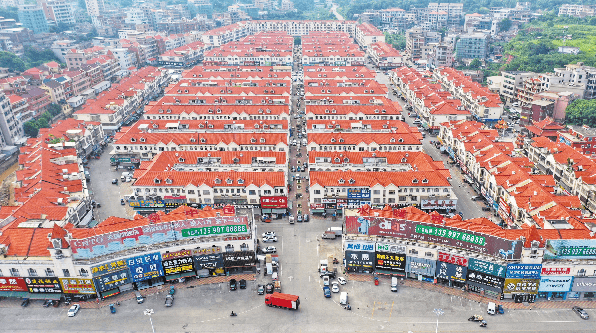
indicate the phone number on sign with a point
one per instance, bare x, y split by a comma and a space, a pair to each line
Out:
215, 230
462, 236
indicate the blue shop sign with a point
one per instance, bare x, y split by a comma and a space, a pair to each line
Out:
145, 267
358, 193
360, 246
486, 267
524, 271
555, 283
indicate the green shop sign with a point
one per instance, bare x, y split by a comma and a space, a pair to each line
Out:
215, 230
447, 233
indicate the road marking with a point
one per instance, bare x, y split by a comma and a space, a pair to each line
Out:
391, 311
373, 310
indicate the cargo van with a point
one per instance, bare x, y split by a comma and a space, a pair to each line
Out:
139, 297
394, 284
343, 298
491, 308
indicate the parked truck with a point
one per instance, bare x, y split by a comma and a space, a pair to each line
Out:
332, 232
280, 300
323, 264
277, 286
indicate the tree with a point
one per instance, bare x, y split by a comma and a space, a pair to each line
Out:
30, 128
581, 112
475, 64
11, 61
505, 24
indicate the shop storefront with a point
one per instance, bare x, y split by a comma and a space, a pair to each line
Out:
390, 259
421, 269
554, 287
111, 278
178, 265
486, 278
44, 287
360, 256
522, 281
208, 261
239, 262
77, 288
451, 269
13, 287
147, 270
583, 288
276, 206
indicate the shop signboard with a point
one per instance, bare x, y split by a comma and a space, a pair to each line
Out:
329, 200
453, 259
208, 261
390, 261
570, 249
108, 267
485, 279
390, 248
421, 266
360, 259
555, 283
317, 206
556, 271
358, 193
341, 202
433, 233
360, 246
529, 286
12, 284
77, 286
207, 250
438, 204
487, 267
112, 280
156, 233
177, 265
36, 285
504, 209
524, 271
145, 267
238, 259
447, 271
584, 284
274, 202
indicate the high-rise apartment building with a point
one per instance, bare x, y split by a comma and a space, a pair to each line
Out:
33, 18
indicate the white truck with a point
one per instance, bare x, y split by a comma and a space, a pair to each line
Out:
332, 233
323, 265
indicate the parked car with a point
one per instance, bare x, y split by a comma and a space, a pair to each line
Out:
341, 280
115, 181
233, 285
476, 198
326, 292
269, 239
169, 300
305, 218
243, 284
74, 309
270, 249
581, 312
269, 234
326, 280
260, 289
269, 288
335, 287
299, 218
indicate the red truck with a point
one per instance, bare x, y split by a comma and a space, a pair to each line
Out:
280, 300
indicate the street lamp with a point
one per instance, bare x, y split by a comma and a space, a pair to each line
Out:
438, 312
149, 312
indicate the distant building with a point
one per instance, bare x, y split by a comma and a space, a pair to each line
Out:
472, 46
58, 11
200, 7
95, 8
569, 49
576, 10
10, 126
33, 18
416, 40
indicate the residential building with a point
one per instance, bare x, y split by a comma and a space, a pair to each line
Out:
367, 34
183, 56
416, 39
56, 91
20, 108
11, 128
33, 18
581, 138
577, 78
95, 7
59, 11
546, 127
472, 46
384, 55
512, 83
580, 11
37, 99
62, 47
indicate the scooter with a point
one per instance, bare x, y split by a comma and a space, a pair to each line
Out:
348, 307
483, 323
233, 314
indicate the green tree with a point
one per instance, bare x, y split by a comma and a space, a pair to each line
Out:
505, 24
581, 112
398, 41
54, 109
11, 61
30, 128
475, 64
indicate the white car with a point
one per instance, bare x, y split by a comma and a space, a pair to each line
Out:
269, 239
73, 310
269, 234
341, 280
335, 287
270, 249
326, 280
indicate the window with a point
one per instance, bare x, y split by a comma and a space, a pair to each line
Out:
377, 192
14, 272
252, 192
66, 273
377, 200
84, 272
50, 272
402, 198
206, 192
229, 248
32, 272
317, 191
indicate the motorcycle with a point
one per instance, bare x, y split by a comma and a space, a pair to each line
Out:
233, 314
483, 323
348, 307
475, 318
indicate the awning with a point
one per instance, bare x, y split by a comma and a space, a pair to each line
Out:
265, 211
44, 296
278, 211
317, 210
17, 294
185, 274
109, 293
173, 277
